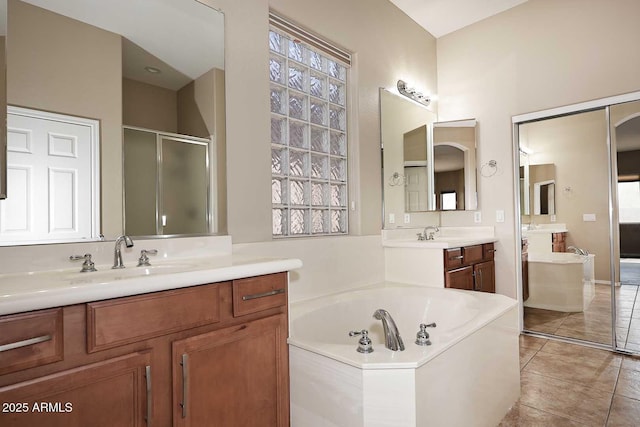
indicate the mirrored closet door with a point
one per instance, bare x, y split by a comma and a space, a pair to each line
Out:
580, 205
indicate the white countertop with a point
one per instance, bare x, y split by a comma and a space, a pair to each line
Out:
444, 238
20, 292
438, 242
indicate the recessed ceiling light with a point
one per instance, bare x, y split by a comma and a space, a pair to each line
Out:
152, 70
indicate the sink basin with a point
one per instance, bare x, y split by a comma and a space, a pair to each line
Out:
107, 273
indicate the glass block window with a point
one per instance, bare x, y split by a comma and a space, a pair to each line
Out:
308, 138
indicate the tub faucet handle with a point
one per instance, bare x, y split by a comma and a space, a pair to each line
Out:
364, 343
422, 337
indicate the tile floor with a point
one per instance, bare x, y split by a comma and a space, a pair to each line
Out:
572, 385
594, 324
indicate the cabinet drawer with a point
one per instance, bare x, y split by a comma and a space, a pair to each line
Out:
452, 258
124, 320
488, 251
259, 293
30, 339
472, 254
558, 237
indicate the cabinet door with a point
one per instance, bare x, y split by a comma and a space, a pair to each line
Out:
236, 376
103, 394
461, 278
525, 276
484, 274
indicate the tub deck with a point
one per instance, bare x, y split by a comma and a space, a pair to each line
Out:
474, 346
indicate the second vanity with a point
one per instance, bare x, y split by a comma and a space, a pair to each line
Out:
455, 257
187, 342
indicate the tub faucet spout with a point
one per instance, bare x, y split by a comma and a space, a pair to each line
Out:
392, 339
578, 251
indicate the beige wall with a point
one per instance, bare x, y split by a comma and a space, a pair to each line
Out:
149, 106
541, 54
48, 73
574, 152
387, 45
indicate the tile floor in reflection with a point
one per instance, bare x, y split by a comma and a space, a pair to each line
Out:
594, 324
572, 385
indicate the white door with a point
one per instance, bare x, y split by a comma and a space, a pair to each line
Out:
52, 178
416, 191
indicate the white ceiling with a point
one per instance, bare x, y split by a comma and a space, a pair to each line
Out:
441, 17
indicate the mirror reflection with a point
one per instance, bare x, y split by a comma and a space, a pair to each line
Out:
454, 165
132, 72
566, 263
569, 288
427, 166
3, 99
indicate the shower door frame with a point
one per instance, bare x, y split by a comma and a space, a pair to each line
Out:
598, 104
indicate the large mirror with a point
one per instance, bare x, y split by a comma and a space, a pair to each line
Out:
3, 99
427, 166
156, 66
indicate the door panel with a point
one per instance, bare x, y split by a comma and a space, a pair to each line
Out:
51, 178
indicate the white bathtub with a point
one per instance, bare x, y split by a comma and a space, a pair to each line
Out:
561, 281
469, 376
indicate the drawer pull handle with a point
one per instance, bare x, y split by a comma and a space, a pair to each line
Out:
149, 395
456, 257
24, 343
185, 384
263, 294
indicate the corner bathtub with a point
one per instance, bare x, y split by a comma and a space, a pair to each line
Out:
561, 281
469, 376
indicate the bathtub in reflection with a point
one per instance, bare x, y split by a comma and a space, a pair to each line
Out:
561, 281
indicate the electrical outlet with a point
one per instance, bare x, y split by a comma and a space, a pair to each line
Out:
392, 218
499, 215
588, 217
407, 218
477, 217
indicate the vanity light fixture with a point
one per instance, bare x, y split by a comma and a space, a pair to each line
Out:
411, 93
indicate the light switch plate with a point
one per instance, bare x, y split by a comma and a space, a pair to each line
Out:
477, 217
392, 218
499, 215
589, 217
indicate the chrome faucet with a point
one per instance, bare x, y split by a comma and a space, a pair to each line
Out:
117, 255
578, 251
392, 339
426, 234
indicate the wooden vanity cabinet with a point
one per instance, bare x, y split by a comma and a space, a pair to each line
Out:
247, 385
103, 394
123, 359
559, 242
470, 267
525, 270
